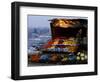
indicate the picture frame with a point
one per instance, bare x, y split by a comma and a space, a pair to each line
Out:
22, 13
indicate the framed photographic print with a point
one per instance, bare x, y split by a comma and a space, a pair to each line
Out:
53, 40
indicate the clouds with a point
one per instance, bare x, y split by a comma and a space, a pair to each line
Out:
43, 20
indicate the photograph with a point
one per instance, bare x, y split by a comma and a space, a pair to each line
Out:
57, 40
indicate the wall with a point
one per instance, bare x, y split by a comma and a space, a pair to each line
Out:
5, 40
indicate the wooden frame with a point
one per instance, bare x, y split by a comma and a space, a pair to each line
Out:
15, 64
